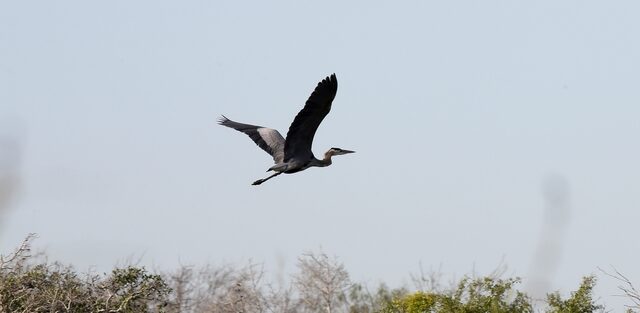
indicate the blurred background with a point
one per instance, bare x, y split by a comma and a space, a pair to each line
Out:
485, 132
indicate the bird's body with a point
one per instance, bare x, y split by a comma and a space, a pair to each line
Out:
293, 154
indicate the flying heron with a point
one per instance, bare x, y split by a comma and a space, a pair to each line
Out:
294, 154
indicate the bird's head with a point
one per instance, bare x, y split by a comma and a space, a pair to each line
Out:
337, 151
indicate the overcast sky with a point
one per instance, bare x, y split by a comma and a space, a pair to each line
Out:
459, 111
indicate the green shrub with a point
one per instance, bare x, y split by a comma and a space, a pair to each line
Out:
55, 288
581, 301
492, 295
470, 296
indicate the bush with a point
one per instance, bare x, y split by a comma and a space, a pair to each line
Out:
581, 301
493, 295
471, 295
322, 285
43, 287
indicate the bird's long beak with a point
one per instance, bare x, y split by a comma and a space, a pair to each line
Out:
347, 151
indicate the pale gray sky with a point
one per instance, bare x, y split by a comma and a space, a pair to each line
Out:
458, 111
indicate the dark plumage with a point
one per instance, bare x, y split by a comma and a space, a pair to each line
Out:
305, 124
294, 154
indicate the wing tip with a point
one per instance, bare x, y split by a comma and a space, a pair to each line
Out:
222, 120
331, 80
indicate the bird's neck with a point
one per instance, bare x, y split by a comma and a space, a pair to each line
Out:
326, 161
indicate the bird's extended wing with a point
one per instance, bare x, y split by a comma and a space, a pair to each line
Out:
304, 126
268, 139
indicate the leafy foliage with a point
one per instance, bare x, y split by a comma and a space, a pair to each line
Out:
581, 301
471, 295
56, 288
43, 287
322, 284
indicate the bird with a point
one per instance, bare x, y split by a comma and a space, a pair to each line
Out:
293, 154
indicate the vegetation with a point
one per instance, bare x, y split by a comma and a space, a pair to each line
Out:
322, 284
493, 295
472, 295
43, 287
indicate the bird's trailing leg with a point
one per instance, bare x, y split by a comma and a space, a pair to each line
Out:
260, 181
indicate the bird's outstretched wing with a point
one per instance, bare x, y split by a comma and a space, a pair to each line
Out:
268, 139
304, 126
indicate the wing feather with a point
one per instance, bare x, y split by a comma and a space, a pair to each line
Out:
303, 128
268, 139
